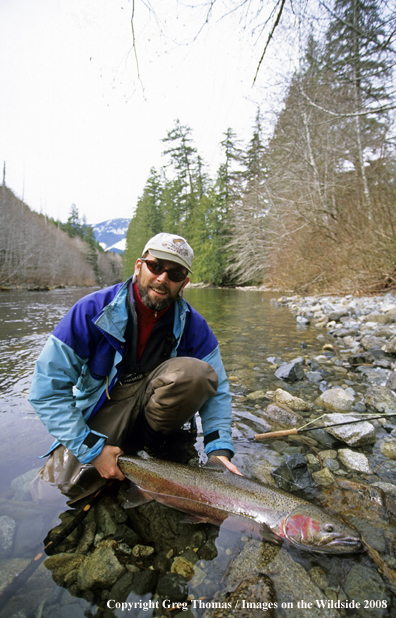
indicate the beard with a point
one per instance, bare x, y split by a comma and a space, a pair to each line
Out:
155, 304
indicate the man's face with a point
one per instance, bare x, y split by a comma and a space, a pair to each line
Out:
157, 291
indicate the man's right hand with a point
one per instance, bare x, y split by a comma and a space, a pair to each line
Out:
106, 463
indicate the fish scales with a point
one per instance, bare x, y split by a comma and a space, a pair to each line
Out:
216, 495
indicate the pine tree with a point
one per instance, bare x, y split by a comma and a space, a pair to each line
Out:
359, 60
185, 187
248, 221
146, 222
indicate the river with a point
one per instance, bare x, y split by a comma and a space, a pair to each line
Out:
250, 329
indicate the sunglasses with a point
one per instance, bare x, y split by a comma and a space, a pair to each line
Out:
177, 276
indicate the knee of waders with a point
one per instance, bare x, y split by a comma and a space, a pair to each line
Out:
178, 392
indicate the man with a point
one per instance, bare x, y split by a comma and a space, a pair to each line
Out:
127, 367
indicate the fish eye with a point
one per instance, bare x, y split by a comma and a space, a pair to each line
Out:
329, 528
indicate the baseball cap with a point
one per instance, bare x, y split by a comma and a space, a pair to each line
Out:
170, 247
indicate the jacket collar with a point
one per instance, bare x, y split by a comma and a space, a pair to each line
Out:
114, 317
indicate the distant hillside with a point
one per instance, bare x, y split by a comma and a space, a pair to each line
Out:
111, 234
36, 252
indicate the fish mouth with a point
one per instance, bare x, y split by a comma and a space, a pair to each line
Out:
344, 545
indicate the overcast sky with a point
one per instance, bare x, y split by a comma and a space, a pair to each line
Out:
76, 123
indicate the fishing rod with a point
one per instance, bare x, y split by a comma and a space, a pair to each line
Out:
293, 432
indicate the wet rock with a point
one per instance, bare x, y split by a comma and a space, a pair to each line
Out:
66, 611
208, 551
315, 367
251, 598
390, 346
104, 518
190, 555
183, 567
100, 570
388, 449
122, 587
161, 563
29, 535
144, 582
295, 403
21, 484
323, 477
64, 566
87, 538
371, 341
289, 576
380, 399
314, 376
329, 454
256, 395
355, 434
337, 315
312, 459
363, 583
331, 464
291, 372
388, 488
262, 469
378, 318
126, 534
173, 587
373, 535
319, 577
7, 531
391, 381
142, 551
281, 416
374, 375
293, 475
354, 461
323, 438
162, 526
274, 360
336, 399
9, 568
366, 358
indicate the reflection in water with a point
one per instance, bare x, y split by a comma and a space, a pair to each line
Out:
250, 331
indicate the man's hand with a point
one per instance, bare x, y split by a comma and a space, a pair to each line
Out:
229, 465
106, 463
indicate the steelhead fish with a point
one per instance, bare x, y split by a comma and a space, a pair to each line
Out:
215, 495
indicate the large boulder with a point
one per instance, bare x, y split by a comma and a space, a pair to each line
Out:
336, 399
291, 372
354, 434
281, 416
380, 399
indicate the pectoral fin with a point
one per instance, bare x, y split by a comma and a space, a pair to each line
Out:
135, 496
250, 527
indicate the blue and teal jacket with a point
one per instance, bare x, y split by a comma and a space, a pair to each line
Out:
81, 362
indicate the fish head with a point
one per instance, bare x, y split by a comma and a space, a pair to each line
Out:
313, 529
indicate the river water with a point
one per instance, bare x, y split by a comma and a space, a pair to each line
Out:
250, 329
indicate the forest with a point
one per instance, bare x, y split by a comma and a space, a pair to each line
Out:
39, 253
312, 207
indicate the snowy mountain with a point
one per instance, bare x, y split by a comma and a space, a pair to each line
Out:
111, 234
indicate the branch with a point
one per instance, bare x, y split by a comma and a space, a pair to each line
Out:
269, 38
354, 114
134, 44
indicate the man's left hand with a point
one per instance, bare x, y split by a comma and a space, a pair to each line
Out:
229, 465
